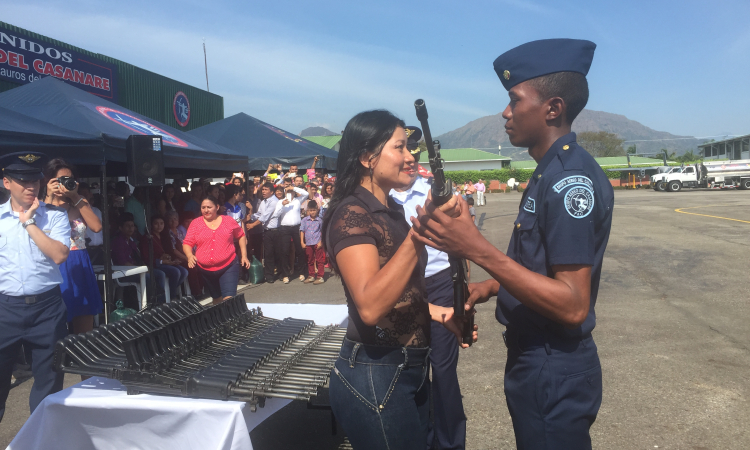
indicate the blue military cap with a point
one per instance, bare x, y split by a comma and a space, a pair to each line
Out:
537, 58
24, 166
413, 135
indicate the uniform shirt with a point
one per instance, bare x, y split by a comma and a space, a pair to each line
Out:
215, 247
289, 213
417, 195
312, 229
265, 213
564, 217
235, 212
24, 269
361, 219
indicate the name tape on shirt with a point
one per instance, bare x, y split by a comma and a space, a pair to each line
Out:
530, 205
570, 181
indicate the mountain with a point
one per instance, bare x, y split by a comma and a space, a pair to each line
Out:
488, 132
317, 131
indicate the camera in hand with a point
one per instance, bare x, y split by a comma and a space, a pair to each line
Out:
68, 182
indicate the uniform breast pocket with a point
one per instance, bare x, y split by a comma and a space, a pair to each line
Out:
528, 238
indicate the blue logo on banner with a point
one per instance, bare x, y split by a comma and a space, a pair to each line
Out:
138, 125
181, 109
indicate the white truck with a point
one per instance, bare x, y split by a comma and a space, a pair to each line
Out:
719, 174
656, 179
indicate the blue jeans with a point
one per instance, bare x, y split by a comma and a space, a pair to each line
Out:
176, 275
381, 395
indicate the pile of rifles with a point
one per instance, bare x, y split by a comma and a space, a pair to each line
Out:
225, 352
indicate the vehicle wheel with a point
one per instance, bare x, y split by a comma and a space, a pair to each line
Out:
746, 184
674, 186
659, 186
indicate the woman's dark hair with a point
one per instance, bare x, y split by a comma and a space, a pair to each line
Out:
164, 190
325, 189
211, 199
279, 188
367, 132
50, 171
156, 217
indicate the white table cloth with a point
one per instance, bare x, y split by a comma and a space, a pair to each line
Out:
98, 413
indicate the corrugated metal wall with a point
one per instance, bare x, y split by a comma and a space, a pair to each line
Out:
145, 92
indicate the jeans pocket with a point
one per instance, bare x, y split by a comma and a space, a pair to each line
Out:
350, 385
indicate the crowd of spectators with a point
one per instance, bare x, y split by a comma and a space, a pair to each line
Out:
209, 233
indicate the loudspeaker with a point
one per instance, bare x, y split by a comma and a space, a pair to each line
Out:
145, 160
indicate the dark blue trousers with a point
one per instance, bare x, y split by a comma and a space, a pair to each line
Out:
553, 388
448, 428
37, 326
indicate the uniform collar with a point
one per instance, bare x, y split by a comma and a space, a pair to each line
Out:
420, 187
5, 208
551, 154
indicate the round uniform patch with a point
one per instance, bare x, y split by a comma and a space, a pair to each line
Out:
579, 202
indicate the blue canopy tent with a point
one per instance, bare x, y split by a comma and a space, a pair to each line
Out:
66, 107
264, 144
23, 133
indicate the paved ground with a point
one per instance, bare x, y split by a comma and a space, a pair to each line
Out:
672, 332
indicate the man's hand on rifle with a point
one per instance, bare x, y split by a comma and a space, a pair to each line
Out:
481, 292
456, 236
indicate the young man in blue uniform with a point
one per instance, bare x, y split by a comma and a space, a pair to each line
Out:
34, 240
547, 283
447, 430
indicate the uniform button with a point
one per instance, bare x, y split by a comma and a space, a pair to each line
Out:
518, 225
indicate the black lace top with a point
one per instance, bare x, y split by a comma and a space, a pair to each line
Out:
362, 219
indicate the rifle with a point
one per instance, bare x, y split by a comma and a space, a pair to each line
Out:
442, 191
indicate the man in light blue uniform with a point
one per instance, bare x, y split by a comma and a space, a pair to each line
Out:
34, 240
264, 217
448, 428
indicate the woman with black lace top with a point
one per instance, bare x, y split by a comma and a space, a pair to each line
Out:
380, 386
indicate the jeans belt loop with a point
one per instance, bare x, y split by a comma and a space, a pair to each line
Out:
547, 347
353, 356
406, 357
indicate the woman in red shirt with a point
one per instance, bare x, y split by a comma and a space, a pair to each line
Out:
215, 256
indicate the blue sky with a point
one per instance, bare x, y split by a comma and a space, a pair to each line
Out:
680, 67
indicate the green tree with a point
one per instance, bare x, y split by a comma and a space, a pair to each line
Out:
688, 157
601, 143
631, 150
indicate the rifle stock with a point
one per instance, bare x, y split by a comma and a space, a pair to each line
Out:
442, 191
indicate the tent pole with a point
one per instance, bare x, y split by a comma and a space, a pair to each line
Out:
150, 257
106, 236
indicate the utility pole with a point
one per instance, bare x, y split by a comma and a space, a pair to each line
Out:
205, 62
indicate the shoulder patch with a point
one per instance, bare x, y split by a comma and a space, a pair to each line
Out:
571, 181
530, 205
579, 201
